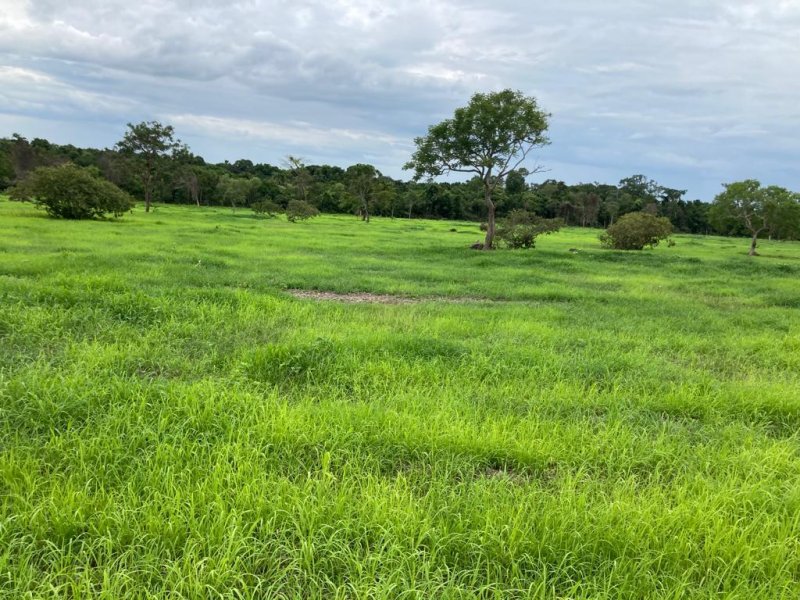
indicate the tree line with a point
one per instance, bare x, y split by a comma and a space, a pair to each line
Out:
149, 163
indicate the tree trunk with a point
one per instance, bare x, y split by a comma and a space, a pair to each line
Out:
753, 245
148, 185
488, 243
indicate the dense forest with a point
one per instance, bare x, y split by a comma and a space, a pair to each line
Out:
186, 178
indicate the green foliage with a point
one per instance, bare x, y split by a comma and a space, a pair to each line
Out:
297, 210
362, 182
237, 191
149, 140
747, 207
72, 192
515, 182
266, 208
367, 190
521, 228
148, 144
184, 178
6, 169
490, 137
635, 231
300, 182
484, 137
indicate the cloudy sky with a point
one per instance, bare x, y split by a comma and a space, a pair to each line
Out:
690, 92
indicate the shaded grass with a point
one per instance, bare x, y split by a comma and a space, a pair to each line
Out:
172, 424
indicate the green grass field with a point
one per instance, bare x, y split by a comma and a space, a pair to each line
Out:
540, 424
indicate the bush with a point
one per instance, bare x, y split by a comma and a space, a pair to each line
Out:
298, 210
72, 192
266, 207
636, 230
520, 228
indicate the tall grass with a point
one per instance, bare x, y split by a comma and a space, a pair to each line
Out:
597, 424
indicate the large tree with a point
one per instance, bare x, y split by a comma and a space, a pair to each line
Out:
746, 205
490, 137
149, 143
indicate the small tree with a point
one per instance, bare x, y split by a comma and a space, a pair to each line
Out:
368, 188
301, 179
755, 209
298, 210
266, 208
72, 192
148, 143
521, 228
634, 231
361, 180
490, 137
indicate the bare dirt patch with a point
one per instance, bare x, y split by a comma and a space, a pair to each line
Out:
369, 297
353, 297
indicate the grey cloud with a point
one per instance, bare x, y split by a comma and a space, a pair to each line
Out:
692, 91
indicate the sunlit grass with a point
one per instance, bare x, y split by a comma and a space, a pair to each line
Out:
589, 424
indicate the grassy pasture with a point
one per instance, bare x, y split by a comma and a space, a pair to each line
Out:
590, 424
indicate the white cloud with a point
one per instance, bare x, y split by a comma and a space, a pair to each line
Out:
684, 90
31, 92
296, 133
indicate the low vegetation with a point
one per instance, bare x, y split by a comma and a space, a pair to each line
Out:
72, 192
588, 424
521, 228
299, 210
266, 208
151, 164
636, 231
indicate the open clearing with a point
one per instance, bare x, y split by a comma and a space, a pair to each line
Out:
175, 424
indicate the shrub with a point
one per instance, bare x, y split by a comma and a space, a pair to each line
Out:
72, 192
634, 231
266, 207
299, 210
520, 228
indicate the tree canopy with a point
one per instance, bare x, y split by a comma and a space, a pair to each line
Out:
148, 142
182, 177
489, 138
747, 205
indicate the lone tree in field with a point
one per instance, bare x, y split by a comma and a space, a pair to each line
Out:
490, 138
746, 206
149, 143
